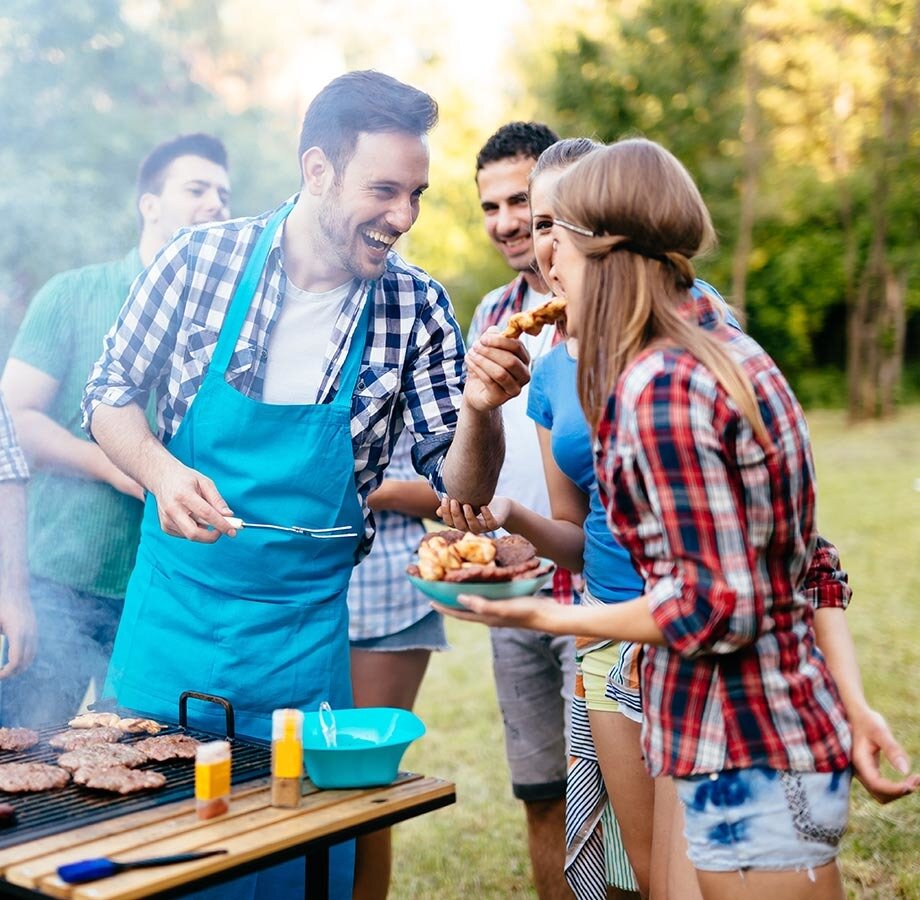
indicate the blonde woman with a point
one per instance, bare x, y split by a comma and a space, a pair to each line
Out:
709, 483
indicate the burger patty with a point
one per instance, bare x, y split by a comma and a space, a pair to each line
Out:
472, 573
17, 738
19, 777
86, 737
168, 746
103, 756
512, 549
119, 779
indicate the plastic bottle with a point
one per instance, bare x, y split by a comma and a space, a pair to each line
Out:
212, 779
287, 757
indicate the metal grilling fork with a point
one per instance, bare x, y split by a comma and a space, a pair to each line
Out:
323, 534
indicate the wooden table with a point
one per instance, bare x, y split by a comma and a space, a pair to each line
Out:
254, 833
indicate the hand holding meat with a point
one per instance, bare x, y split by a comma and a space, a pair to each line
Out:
498, 368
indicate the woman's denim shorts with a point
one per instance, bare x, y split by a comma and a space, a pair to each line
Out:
764, 819
426, 634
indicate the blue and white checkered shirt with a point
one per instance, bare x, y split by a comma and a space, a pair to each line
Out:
166, 333
381, 599
12, 462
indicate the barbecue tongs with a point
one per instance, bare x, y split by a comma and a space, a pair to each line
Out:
339, 531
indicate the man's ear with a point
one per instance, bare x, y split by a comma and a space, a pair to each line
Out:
317, 170
148, 205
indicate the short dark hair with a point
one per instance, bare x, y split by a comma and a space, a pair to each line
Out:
364, 102
516, 139
151, 174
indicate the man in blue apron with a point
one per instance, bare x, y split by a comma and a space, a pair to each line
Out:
287, 352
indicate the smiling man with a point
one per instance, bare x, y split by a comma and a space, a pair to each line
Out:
287, 353
84, 512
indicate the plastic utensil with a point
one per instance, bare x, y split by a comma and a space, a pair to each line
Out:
339, 531
327, 723
102, 867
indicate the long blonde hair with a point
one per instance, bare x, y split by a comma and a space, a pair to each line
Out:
648, 221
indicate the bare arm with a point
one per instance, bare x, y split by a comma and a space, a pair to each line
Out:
187, 501
17, 621
29, 393
561, 538
628, 621
497, 370
871, 735
411, 498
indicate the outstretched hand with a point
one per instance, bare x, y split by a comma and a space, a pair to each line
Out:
462, 516
519, 612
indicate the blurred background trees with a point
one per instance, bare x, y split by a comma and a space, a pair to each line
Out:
800, 121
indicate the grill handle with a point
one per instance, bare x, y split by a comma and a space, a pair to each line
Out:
207, 698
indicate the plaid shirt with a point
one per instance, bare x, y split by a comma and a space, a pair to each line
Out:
12, 462
166, 333
724, 534
381, 600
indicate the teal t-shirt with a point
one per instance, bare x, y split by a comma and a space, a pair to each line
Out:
82, 533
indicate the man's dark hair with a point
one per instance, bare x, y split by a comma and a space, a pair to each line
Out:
151, 175
526, 140
363, 102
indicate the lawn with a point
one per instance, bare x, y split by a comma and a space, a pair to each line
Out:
869, 507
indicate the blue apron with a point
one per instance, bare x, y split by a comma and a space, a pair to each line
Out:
260, 619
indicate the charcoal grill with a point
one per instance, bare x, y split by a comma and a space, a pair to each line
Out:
49, 812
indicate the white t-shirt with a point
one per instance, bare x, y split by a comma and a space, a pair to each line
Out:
294, 367
522, 476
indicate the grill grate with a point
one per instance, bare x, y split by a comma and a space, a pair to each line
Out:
49, 812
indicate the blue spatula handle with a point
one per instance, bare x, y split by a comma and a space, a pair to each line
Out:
87, 870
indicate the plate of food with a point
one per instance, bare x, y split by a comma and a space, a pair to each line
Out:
453, 562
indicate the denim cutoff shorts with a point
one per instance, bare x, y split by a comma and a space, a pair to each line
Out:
426, 634
761, 818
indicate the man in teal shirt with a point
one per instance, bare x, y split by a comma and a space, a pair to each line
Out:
84, 512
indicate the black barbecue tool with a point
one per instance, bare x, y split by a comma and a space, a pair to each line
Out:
94, 869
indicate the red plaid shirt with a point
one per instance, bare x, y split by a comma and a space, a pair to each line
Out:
510, 301
723, 531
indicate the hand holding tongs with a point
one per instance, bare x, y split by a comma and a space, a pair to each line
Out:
339, 531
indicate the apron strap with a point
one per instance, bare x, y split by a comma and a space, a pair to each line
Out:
245, 292
351, 368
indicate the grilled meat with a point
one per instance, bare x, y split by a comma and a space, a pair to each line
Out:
33, 776
112, 720
168, 746
492, 573
119, 779
513, 549
103, 756
17, 738
85, 737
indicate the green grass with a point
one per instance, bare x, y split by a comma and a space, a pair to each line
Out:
869, 508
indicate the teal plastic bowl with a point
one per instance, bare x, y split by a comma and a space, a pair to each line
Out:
370, 744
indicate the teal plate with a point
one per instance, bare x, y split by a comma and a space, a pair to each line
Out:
446, 592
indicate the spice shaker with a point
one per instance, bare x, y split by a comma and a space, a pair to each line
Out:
212, 779
287, 757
